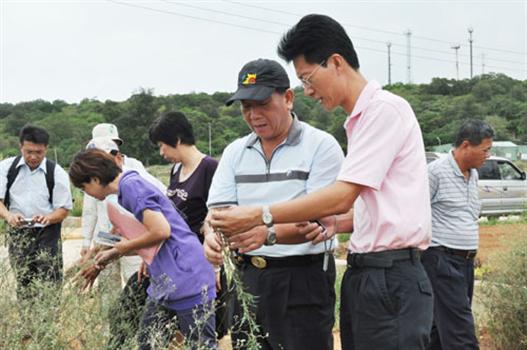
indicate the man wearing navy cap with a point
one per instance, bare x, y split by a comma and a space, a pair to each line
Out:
281, 159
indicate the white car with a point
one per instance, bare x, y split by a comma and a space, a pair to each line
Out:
502, 186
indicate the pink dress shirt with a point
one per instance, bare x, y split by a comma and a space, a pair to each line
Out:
386, 154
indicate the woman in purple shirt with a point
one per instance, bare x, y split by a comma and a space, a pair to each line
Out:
182, 283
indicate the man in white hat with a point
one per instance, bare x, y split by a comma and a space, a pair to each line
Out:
106, 130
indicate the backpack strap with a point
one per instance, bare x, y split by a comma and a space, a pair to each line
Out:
50, 178
12, 173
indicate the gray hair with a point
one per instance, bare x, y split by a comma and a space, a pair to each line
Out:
474, 131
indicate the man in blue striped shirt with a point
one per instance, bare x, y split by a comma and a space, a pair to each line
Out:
449, 261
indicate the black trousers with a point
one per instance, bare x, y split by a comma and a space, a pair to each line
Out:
125, 314
386, 308
295, 306
35, 255
452, 279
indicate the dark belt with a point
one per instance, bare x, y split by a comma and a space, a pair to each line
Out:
265, 262
382, 259
466, 254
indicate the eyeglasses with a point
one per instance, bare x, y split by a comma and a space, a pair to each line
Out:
305, 81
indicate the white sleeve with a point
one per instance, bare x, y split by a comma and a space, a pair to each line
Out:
89, 219
326, 164
61, 191
4, 168
222, 191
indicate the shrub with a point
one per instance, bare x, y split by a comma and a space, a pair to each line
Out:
504, 296
77, 198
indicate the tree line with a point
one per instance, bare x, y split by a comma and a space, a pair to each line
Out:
439, 106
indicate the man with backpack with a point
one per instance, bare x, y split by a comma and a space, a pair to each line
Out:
35, 198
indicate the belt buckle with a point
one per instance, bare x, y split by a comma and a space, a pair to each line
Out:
258, 262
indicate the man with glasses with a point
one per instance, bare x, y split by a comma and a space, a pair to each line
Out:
449, 261
386, 296
281, 159
35, 199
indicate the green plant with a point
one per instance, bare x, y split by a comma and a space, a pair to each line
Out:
77, 197
504, 296
343, 237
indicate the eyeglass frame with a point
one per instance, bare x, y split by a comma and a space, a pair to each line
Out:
305, 81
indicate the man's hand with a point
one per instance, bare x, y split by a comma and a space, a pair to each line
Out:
212, 246
14, 219
236, 219
41, 219
250, 240
105, 257
84, 251
317, 232
86, 254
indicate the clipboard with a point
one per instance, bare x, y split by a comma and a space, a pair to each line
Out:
129, 227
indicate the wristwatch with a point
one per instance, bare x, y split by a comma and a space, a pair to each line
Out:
267, 217
271, 236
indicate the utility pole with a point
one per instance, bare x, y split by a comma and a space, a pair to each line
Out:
482, 63
408, 33
456, 47
210, 140
389, 45
470, 31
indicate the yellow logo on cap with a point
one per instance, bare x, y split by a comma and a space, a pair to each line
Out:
250, 78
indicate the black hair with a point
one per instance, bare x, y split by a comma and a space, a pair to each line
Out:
34, 134
281, 90
317, 37
170, 128
474, 131
93, 163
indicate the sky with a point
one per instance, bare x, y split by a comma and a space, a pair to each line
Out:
72, 50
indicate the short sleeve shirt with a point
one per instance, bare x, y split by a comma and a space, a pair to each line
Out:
190, 196
179, 274
308, 160
386, 155
455, 205
29, 193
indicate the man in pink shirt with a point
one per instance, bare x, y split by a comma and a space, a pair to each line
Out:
386, 297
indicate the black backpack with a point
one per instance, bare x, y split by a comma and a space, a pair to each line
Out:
12, 173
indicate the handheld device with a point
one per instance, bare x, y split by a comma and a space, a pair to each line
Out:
107, 239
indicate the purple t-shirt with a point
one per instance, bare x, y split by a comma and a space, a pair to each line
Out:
180, 276
190, 196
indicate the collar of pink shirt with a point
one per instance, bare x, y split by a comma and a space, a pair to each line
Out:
365, 96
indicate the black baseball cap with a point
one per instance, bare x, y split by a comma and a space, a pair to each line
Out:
258, 79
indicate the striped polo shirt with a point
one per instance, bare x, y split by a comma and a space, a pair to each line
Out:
455, 205
307, 160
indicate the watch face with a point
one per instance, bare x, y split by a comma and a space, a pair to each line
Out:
271, 238
267, 218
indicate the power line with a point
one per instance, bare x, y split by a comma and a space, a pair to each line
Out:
375, 29
279, 33
287, 25
223, 12
191, 17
